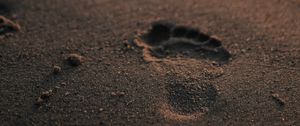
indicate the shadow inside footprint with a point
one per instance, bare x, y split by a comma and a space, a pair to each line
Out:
189, 98
167, 39
160, 31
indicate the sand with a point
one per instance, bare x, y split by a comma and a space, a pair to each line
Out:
116, 85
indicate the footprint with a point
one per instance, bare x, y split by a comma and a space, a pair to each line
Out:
7, 25
169, 40
188, 100
179, 50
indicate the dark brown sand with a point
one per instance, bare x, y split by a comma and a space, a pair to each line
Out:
116, 85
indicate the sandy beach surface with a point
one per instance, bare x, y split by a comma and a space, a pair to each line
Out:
105, 62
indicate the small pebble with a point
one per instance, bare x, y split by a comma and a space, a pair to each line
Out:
243, 50
214, 63
57, 87
39, 101
67, 93
63, 84
75, 59
278, 99
101, 109
46, 94
56, 69
119, 94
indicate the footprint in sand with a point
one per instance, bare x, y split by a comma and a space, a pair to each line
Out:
189, 54
7, 25
188, 100
169, 40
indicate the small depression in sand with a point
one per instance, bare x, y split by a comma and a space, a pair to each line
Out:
188, 101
